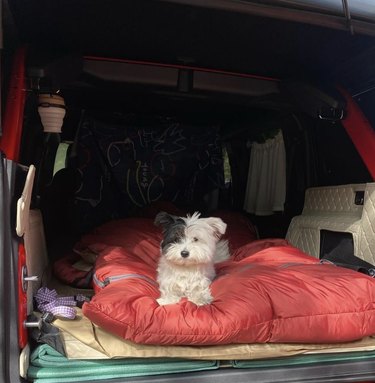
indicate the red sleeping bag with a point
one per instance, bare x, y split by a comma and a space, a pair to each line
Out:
267, 292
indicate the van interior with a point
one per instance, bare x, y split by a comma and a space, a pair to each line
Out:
118, 110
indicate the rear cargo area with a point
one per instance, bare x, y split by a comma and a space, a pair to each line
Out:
248, 127
109, 164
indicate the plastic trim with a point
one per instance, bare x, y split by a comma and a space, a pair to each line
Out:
283, 13
9, 364
10, 140
360, 132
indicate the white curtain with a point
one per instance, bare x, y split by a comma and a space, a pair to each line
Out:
266, 182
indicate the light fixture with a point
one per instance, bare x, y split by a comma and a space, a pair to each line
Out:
51, 108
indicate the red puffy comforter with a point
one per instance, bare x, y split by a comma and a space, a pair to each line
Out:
267, 292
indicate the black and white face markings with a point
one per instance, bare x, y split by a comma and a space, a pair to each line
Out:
174, 229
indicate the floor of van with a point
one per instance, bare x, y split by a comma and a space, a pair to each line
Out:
48, 366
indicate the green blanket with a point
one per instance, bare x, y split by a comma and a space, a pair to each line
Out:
49, 366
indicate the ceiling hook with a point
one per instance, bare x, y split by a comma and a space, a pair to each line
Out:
345, 6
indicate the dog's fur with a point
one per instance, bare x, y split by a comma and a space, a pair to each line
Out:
190, 248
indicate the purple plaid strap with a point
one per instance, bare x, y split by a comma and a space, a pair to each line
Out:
48, 301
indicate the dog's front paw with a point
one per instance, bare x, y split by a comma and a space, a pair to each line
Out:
167, 300
201, 300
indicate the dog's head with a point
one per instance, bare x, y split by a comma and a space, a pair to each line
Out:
189, 240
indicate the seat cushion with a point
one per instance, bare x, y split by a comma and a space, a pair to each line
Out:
268, 291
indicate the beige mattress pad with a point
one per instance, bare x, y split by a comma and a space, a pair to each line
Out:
84, 340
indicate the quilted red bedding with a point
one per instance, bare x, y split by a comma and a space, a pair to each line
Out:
267, 292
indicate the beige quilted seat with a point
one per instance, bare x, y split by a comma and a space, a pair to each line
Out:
334, 208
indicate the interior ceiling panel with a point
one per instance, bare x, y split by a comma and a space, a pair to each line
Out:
174, 33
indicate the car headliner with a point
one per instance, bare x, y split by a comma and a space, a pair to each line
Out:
174, 33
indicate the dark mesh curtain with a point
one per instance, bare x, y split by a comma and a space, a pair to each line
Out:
122, 168
239, 155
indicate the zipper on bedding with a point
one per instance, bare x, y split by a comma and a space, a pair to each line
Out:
120, 277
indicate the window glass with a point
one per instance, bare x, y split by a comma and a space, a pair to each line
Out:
361, 9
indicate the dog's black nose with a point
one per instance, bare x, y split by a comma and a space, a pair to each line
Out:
184, 253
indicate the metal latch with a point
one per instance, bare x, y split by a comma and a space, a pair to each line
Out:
26, 278
34, 323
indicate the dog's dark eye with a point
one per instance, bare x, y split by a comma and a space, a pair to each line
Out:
195, 239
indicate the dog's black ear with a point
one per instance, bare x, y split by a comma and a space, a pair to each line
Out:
164, 219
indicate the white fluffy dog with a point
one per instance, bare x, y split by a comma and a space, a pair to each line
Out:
190, 248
